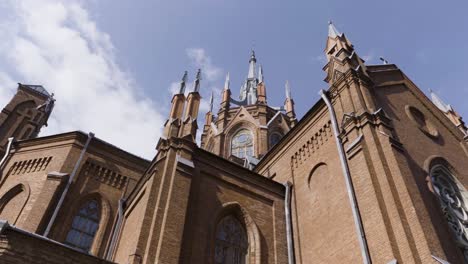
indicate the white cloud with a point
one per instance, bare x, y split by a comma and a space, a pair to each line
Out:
56, 43
201, 60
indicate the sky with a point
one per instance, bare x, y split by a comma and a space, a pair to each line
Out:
113, 65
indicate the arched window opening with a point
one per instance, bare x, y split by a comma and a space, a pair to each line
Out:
453, 204
242, 144
12, 203
275, 137
84, 226
231, 242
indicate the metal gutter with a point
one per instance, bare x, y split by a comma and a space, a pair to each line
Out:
349, 184
116, 231
289, 234
67, 187
7, 152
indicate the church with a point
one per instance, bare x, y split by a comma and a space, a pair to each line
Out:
374, 172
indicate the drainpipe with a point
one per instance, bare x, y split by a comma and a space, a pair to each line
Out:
287, 210
349, 184
67, 187
116, 231
7, 152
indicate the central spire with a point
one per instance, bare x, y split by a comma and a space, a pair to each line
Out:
248, 93
252, 62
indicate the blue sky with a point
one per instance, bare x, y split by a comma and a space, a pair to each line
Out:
425, 38
127, 55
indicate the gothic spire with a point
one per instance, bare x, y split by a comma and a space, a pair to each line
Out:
260, 74
287, 90
182, 83
332, 31
227, 82
211, 102
252, 62
196, 84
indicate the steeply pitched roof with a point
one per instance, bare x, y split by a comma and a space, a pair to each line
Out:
37, 88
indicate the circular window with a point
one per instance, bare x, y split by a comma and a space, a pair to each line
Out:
424, 124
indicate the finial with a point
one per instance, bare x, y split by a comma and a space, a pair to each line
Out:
196, 83
182, 83
332, 31
260, 74
288, 90
226, 82
211, 101
252, 56
384, 61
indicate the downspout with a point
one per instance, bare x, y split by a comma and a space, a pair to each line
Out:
67, 187
116, 231
7, 152
287, 210
349, 184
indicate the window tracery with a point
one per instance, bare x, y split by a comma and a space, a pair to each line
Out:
84, 226
242, 144
231, 242
453, 204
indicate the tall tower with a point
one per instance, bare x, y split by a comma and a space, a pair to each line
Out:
26, 113
245, 129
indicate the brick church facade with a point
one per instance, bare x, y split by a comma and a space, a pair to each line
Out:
374, 172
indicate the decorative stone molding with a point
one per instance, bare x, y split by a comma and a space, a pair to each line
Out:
27, 166
312, 145
104, 175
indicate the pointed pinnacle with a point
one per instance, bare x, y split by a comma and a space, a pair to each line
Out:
332, 31
226, 82
211, 102
252, 56
260, 74
288, 90
196, 83
182, 83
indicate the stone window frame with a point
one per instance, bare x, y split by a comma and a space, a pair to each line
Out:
439, 163
98, 244
234, 129
253, 234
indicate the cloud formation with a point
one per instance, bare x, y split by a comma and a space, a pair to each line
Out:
56, 44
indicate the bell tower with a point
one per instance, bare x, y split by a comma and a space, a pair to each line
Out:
244, 130
26, 113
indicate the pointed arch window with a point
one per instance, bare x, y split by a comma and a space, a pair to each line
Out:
231, 242
84, 226
452, 198
242, 144
275, 137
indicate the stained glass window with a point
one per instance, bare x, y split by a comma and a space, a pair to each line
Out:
453, 205
231, 242
84, 226
242, 144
